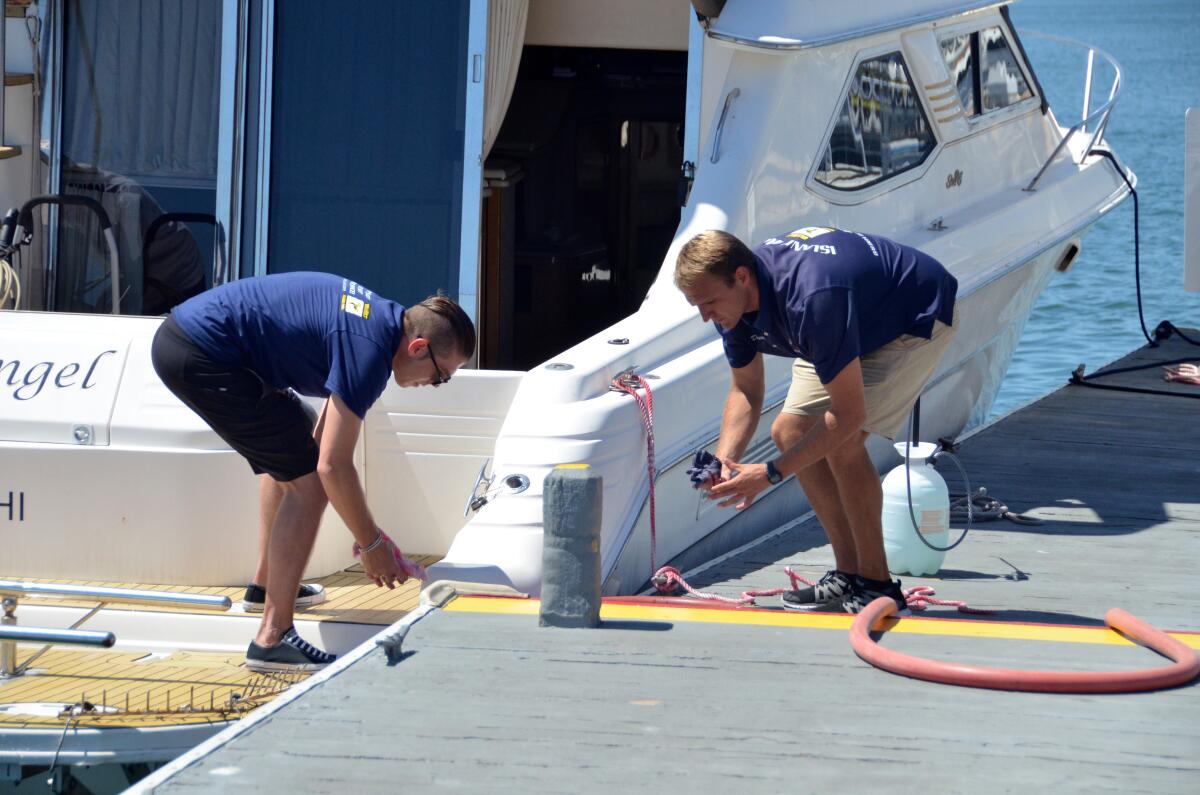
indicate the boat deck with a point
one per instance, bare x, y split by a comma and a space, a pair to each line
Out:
672, 693
139, 689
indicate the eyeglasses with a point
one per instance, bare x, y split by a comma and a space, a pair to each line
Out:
442, 378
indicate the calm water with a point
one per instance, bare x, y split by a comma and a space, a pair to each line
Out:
1089, 314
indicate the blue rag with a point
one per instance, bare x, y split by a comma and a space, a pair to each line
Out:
705, 466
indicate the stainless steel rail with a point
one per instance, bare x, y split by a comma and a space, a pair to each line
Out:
3, 68
1099, 116
77, 637
716, 147
16, 588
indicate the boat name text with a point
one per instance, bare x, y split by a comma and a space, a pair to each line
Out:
30, 382
954, 180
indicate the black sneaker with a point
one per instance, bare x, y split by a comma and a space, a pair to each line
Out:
863, 592
292, 654
308, 595
833, 586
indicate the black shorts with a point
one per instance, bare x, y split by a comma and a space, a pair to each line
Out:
271, 428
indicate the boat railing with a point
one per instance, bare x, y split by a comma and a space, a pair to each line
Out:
11, 634
1093, 121
129, 595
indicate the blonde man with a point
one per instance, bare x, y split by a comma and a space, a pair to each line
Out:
866, 320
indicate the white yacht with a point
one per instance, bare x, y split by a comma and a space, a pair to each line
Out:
539, 160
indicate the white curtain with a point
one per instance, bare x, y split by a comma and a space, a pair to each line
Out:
506, 38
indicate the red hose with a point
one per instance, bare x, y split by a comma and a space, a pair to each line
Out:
1185, 667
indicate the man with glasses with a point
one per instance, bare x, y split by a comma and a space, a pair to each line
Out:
238, 354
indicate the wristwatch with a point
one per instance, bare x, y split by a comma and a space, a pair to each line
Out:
773, 475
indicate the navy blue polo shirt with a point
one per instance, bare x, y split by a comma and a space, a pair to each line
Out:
829, 296
317, 333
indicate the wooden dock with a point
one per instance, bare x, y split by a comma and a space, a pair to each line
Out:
664, 697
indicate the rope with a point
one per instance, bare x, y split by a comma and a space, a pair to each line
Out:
983, 508
10, 286
918, 597
1183, 373
629, 383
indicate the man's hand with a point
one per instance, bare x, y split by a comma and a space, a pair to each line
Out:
382, 566
741, 485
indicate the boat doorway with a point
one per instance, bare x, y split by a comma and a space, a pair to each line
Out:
582, 197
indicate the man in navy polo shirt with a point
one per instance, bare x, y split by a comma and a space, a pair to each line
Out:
866, 320
237, 354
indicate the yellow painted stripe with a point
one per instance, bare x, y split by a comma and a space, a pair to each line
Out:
772, 618
940, 97
571, 466
946, 107
951, 117
939, 84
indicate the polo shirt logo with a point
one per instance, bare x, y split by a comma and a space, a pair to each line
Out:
809, 232
355, 306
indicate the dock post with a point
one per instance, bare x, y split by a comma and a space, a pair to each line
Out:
571, 505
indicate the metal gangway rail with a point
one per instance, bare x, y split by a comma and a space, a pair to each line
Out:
11, 634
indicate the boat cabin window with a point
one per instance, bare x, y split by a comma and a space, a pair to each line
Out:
985, 71
139, 128
881, 129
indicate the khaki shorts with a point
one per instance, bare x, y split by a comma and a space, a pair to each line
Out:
893, 378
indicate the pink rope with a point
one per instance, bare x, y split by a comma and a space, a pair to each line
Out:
1183, 373
919, 597
646, 406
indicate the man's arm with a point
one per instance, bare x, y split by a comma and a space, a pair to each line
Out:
338, 436
743, 408
842, 421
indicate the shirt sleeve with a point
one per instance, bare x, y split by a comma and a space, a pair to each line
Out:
739, 348
829, 330
358, 372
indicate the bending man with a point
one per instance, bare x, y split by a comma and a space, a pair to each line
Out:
237, 354
866, 320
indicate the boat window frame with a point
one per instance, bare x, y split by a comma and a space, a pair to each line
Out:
853, 196
985, 118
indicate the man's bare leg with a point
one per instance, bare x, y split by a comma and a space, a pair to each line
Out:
291, 540
821, 488
862, 503
270, 494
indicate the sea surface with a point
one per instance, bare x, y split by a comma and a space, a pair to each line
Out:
1089, 314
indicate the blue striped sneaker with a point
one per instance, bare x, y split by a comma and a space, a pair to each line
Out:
292, 654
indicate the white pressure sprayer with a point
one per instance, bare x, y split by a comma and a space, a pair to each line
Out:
916, 512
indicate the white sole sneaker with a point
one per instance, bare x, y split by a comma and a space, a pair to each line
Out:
315, 597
